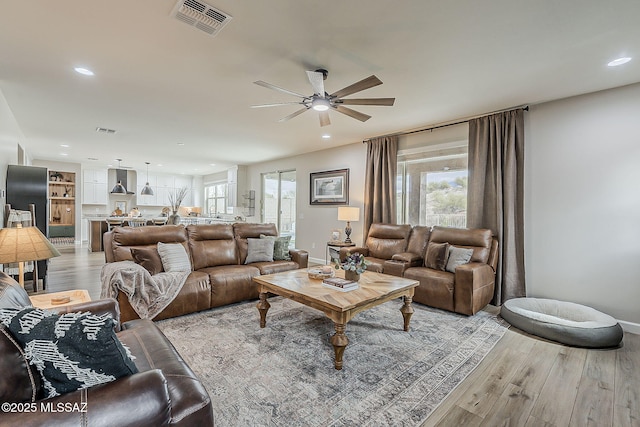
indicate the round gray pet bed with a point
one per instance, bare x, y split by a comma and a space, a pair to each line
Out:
565, 322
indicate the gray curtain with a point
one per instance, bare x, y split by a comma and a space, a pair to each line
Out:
380, 181
496, 193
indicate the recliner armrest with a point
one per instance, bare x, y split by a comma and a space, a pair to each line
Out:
139, 399
413, 260
98, 307
345, 251
299, 256
468, 279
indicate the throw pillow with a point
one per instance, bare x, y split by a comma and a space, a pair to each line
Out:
280, 247
174, 257
149, 258
71, 351
458, 256
436, 256
259, 250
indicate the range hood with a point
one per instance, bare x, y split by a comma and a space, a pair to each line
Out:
122, 184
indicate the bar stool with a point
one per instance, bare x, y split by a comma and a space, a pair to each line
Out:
160, 221
114, 222
137, 222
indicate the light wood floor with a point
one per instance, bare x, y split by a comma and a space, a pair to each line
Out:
523, 381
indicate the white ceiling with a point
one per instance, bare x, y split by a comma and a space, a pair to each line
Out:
159, 82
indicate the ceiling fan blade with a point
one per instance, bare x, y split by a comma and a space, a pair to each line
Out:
279, 89
324, 118
275, 105
292, 115
317, 82
368, 101
370, 81
352, 113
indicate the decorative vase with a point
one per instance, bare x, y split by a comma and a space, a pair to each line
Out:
174, 218
351, 275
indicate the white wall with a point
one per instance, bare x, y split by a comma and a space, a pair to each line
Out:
315, 223
582, 202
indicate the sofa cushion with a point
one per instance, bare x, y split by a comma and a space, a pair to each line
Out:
478, 239
436, 256
436, 287
149, 258
124, 238
232, 283
384, 240
244, 230
280, 247
375, 264
457, 257
71, 351
259, 250
212, 245
174, 257
18, 382
276, 266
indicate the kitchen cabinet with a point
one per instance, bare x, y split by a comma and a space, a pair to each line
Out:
94, 187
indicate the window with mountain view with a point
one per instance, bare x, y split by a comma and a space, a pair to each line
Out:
432, 188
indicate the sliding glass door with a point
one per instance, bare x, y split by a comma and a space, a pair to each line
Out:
279, 201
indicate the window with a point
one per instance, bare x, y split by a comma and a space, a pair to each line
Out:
216, 199
432, 187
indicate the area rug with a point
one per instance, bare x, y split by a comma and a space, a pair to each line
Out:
283, 375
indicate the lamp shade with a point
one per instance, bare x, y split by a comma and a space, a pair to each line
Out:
348, 213
24, 244
119, 188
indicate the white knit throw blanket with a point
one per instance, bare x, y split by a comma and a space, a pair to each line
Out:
148, 295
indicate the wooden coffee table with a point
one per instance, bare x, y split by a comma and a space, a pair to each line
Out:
375, 289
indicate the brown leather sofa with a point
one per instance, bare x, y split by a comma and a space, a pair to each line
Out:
165, 392
467, 290
217, 252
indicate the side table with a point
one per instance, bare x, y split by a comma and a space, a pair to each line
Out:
333, 250
44, 300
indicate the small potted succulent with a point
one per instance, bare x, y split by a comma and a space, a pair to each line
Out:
353, 265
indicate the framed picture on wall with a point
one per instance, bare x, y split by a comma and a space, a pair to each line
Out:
121, 205
329, 187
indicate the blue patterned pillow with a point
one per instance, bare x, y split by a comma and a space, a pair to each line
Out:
71, 351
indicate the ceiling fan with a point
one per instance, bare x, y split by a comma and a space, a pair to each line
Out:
323, 102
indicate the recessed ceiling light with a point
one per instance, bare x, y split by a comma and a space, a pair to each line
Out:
159, 164
63, 154
619, 61
181, 143
325, 136
64, 145
212, 164
83, 71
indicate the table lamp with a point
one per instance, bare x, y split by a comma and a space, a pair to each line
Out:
20, 244
348, 213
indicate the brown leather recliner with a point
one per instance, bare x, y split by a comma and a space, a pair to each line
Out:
165, 392
470, 288
383, 241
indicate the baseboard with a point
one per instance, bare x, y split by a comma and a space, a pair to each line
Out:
316, 261
633, 328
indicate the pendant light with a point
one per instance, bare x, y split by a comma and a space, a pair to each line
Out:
119, 188
147, 190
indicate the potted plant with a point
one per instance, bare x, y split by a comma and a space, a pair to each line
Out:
353, 265
175, 200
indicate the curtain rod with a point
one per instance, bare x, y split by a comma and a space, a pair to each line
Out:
459, 122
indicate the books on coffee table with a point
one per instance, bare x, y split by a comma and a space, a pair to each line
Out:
340, 284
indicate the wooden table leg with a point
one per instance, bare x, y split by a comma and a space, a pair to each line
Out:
407, 311
263, 306
339, 341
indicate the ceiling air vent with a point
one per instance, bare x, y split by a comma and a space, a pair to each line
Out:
201, 15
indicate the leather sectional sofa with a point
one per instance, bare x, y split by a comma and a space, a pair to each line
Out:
164, 391
217, 252
401, 250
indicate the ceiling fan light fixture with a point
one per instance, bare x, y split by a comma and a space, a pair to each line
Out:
320, 104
